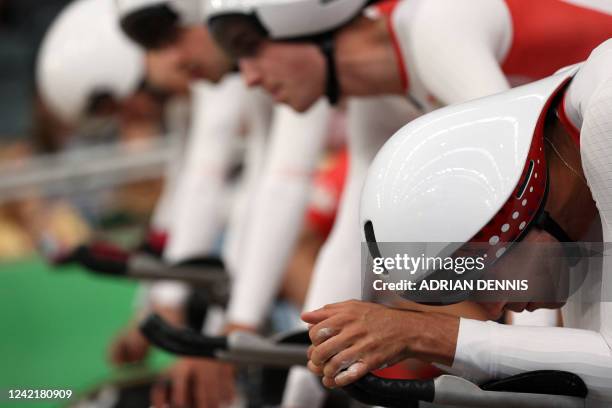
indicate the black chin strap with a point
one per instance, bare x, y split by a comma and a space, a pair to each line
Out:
546, 223
574, 251
332, 87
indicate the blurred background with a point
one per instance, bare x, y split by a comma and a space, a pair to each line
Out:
57, 185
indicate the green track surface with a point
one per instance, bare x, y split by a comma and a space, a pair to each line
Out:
55, 328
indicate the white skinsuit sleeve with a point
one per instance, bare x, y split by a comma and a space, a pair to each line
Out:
596, 152
176, 118
487, 350
336, 275
277, 210
260, 115
162, 214
456, 47
167, 293
218, 117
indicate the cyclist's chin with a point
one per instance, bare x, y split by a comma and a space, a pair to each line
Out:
302, 101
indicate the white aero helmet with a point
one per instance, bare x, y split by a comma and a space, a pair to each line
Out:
85, 55
239, 26
288, 19
154, 23
474, 173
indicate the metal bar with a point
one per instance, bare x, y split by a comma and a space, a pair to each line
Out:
86, 169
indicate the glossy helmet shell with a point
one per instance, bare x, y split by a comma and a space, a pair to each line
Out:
474, 172
85, 53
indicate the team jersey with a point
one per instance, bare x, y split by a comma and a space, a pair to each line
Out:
446, 48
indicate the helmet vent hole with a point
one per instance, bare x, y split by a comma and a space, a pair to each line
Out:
368, 230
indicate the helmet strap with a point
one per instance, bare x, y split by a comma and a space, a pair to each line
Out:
574, 251
545, 222
332, 87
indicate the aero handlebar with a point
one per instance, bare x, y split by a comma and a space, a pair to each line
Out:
536, 389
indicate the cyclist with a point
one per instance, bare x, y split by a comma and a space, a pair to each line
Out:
561, 132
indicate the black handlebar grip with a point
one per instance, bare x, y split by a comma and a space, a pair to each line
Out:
204, 262
99, 259
373, 390
184, 342
541, 382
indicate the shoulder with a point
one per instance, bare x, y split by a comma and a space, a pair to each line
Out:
594, 71
453, 11
594, 74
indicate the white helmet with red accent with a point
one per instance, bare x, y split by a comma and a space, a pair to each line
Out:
240, 26
154, 23
85, 55
287, 19
469, 173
